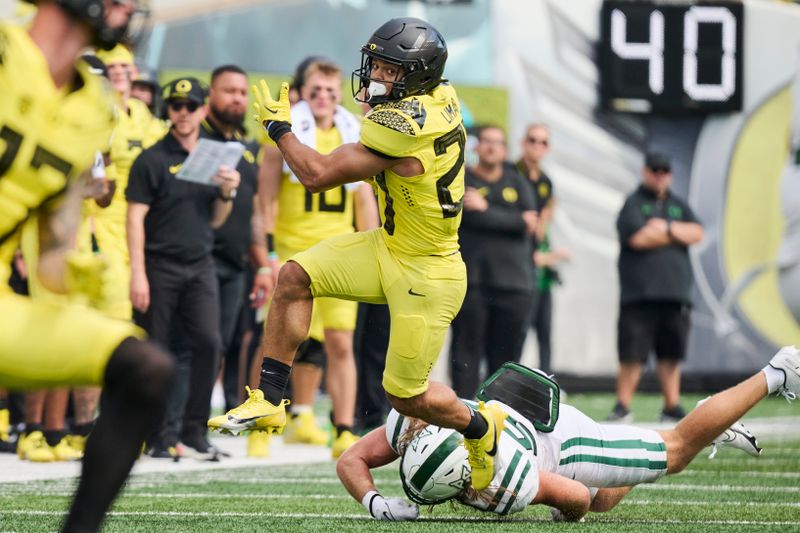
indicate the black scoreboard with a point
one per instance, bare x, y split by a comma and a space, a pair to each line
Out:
671, 56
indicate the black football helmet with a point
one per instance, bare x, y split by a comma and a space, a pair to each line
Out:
410, 43
92, 12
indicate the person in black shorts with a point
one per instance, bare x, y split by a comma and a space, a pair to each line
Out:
655, 229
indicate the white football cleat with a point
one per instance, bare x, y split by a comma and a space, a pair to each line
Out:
739, 437
787, 360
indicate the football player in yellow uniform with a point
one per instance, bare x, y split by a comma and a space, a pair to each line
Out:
54, 116
303, 219
136, 130
412, 145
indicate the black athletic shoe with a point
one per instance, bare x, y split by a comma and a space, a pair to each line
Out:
673, 415
620, 414
199, 448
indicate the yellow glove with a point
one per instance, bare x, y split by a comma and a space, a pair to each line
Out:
274, 115
87, 275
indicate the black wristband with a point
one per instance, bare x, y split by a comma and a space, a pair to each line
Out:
270, 242
277, 129
225, 198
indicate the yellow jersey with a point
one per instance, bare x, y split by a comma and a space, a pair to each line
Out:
421, 214
305, 218
136, 130
47, 135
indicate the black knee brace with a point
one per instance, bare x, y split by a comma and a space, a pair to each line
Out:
311, 352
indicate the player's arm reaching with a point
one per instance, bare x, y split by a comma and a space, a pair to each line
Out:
348, 163
353, 469
570, 497
59, 268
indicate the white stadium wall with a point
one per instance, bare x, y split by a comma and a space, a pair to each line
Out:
734, 168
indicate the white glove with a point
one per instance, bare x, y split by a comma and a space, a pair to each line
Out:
394, 509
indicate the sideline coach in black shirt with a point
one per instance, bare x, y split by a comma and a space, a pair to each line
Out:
655, 229
495, 231
170, 226
240, 236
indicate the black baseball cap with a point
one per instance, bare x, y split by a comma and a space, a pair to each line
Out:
96, 65
657, 161
185, 88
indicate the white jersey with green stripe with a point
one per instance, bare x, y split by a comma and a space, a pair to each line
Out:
601, 455
516, 478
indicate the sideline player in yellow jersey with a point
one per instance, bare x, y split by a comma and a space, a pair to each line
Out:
303, 219
54, 116
136, 130
412, 142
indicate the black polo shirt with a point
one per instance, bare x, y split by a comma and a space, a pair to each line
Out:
178, 224
542, 188
232, 239
494, 244
659, 274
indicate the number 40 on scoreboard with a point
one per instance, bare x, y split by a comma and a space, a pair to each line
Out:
671, 56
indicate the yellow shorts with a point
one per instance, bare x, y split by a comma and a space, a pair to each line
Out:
112, 244
47, 344
424, 294
327, 313
117, 302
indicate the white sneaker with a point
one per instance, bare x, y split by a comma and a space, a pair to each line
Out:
739, 437
787, 360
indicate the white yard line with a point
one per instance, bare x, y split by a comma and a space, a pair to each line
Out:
20, 490
364, 516
198, 495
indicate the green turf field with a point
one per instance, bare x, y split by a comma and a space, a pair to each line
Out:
732, 493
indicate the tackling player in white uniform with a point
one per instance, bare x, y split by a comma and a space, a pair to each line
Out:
580, 466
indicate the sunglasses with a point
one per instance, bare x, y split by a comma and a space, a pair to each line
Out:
660, 170
534, 140
189, 106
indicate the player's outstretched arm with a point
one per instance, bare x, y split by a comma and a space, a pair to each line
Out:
347, 164
59, 220
567, 495
607, 499
353, 469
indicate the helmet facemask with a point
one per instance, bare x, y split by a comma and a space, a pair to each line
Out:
365, 90
412, 44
